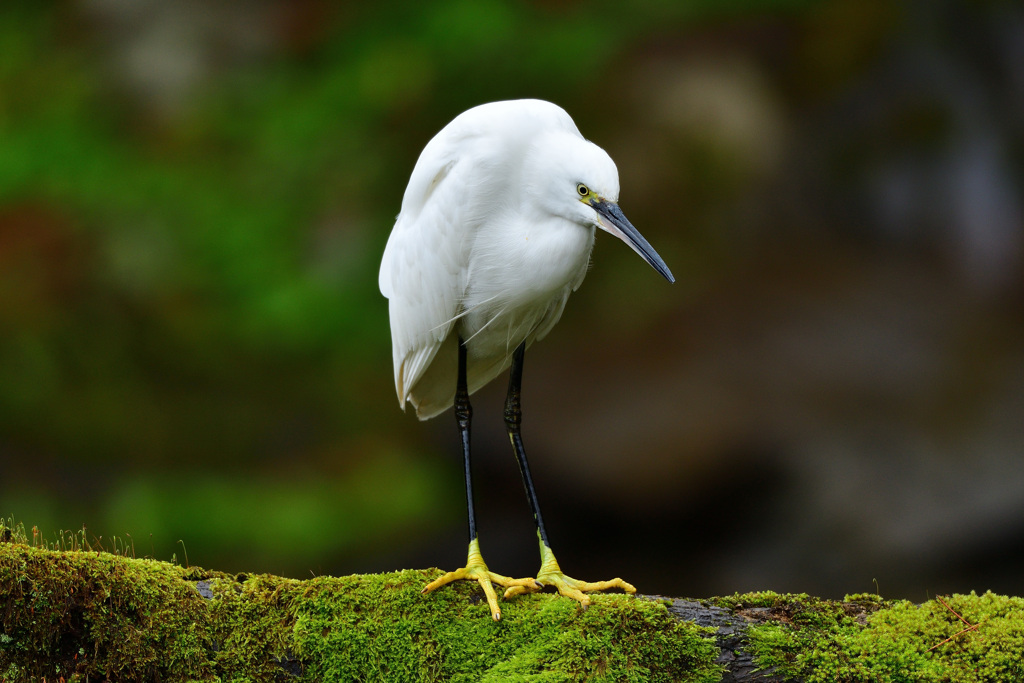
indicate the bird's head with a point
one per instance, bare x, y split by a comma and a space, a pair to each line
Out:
577, 180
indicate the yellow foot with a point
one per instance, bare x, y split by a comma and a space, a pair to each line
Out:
551, 575
476, 570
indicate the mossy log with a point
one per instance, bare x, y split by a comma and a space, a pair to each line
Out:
96, 616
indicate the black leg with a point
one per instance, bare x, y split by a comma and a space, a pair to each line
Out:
550, 573
476, 569
513, 420
463, 416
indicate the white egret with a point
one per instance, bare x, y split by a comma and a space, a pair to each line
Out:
495, 231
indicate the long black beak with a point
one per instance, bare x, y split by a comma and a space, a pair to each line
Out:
614, 221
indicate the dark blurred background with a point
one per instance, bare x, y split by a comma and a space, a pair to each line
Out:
194, 356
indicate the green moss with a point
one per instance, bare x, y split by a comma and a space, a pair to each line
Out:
91, 615
86, 615
760, 599
383, 625
867, 639
68, 613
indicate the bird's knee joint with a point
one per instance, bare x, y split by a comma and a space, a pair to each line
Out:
513, 418
463, 408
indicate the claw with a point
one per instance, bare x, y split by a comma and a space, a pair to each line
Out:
551, 575
476, 570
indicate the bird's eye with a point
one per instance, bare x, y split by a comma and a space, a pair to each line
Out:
582, 189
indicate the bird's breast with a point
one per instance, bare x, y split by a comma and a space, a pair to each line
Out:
519, 278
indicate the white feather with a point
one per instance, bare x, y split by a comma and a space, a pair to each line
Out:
490, 242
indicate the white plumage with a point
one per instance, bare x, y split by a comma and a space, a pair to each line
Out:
495, 231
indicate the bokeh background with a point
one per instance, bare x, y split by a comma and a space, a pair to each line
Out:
194, 356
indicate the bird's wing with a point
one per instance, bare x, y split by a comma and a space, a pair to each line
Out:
423, 271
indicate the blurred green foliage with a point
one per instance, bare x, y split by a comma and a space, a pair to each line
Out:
192, 344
